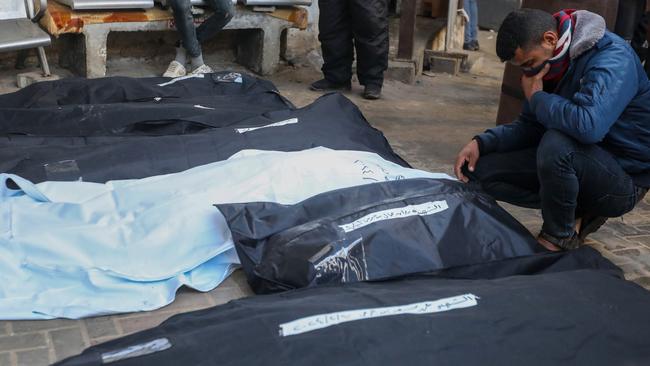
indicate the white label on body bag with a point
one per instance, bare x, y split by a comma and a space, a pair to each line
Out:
315, 322
290, 121
423, 209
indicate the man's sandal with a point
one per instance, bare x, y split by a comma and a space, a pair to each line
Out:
569, 243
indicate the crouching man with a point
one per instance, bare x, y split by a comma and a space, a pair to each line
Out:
580, 149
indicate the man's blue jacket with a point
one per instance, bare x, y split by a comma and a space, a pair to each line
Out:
604, 99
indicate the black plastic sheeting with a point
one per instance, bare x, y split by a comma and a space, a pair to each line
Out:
561, 313
372, 232
73, 91
151, 118
332, 121
136, 106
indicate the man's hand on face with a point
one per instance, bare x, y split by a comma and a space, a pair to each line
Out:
533, 84
469, 154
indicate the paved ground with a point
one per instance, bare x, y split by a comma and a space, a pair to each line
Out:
426, 123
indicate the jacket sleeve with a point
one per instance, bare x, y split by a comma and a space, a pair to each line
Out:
523, 133
606, 88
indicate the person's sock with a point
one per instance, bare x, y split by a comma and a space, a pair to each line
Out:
181, 55
197, 61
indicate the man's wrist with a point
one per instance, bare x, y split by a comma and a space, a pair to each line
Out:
534, 99
479, 143
532, 94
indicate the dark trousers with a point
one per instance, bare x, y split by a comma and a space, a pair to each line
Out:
563, 178
348, 25
191, 37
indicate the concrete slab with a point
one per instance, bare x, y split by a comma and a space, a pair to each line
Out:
402, 70
445, 65
27, 78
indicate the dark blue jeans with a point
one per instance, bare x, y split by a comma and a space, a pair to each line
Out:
191, 37
471, 29
562, 177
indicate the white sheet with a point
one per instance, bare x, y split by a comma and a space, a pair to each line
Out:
76, 249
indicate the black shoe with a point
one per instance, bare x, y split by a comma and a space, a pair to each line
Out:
591, 224
471, 46
326, 85
372, 92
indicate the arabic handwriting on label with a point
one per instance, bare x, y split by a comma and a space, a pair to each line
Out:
289, 121
315, 322
423, 209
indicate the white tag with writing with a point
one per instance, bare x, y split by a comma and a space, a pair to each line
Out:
202, 107
320, 321
143, 349
423, 209
276, 124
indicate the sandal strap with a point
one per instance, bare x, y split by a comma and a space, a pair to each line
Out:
569, 243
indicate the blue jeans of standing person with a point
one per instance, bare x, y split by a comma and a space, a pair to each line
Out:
562, 177
191, 37
471, 30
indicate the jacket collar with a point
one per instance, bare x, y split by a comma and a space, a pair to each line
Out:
589, 29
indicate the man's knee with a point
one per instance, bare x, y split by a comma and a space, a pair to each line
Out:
554, 151
181, 5
223, 8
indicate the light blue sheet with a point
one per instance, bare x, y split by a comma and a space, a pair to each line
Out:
77, 249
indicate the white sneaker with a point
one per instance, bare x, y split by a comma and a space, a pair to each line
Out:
203, 69
175, 70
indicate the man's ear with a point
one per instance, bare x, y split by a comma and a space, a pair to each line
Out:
550, 38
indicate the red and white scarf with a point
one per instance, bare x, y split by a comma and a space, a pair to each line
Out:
561, 57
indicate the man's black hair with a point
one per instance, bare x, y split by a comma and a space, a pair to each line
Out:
523, 28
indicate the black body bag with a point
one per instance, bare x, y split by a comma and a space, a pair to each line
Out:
566, 314
372, 232
332, 121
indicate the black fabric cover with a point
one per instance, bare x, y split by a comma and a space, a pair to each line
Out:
576, 317
153, 117
119, 89
283, 247
627, 17
332, 121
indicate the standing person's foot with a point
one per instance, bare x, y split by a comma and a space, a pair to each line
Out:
326, 85
372, 92
203, 69
175, 70
471, 46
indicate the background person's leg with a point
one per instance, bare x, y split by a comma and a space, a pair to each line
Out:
509, 177
471, 30
575, 175
336, 40
224, 10
185, 26
370, 29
